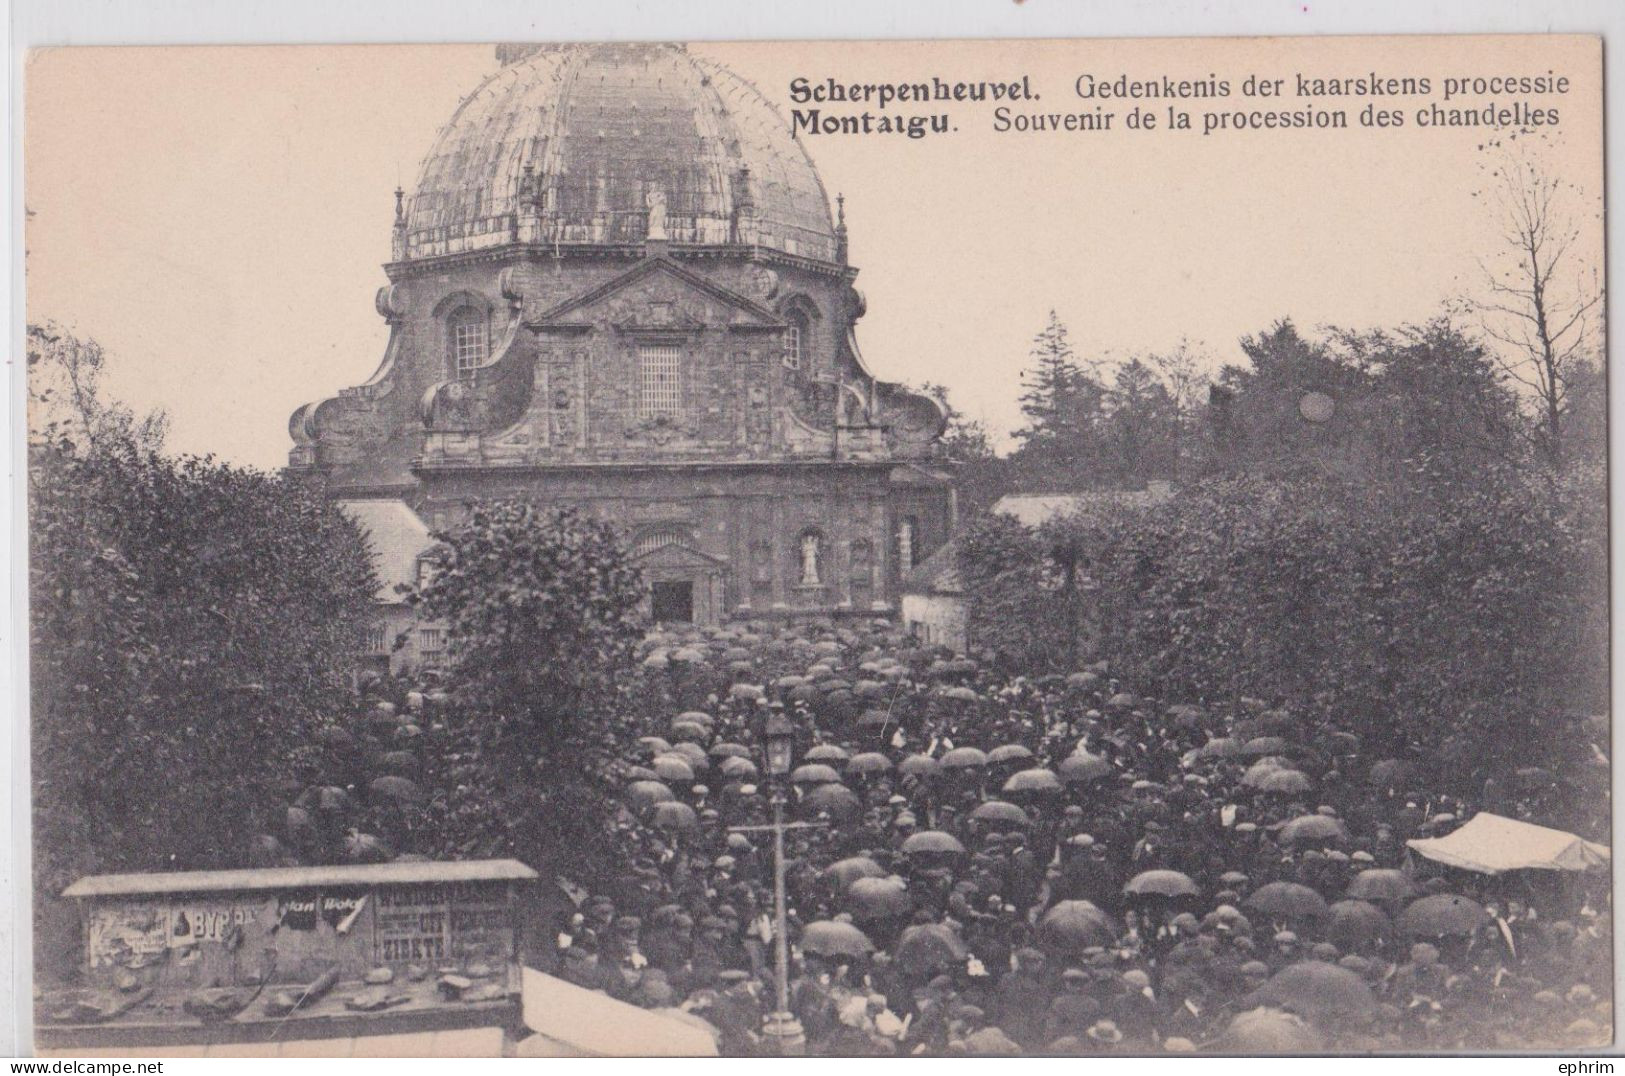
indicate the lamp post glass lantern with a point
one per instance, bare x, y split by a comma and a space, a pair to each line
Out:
780, 1028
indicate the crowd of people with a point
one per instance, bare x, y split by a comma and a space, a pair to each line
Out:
990, 864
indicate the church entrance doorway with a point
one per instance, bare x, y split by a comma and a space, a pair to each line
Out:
673, 602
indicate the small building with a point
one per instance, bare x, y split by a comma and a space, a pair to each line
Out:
933, 605
402, 556
1037, 509
396, 959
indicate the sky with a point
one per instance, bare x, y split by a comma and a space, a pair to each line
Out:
218, 217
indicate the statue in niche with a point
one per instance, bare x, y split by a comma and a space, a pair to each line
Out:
810, 552
656, 201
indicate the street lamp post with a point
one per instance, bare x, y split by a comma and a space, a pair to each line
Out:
781, 1028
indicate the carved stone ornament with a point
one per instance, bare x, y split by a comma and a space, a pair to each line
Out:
661, 429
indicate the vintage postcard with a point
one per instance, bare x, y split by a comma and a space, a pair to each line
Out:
910, 548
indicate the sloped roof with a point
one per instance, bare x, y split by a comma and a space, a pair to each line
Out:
936, 574
398, 538
1036, 509
262, 878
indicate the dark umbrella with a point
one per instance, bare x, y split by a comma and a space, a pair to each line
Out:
919, 766
1286, 782
1269, 1031
1351, 924
827, 938
1162, 883
1321, 992
873, 719
868, 762
1382, 884
846, 871
673, 768
639, 773
648, 793
654, 745
1444, 913
1072, 926
827, 752
963, 758
839, 802
690, 732
737, 769
1313, 828
998, 814
929, 948
1083, 767
1010, 752
400, 789
1223, 747
1287, 900
814, 773
729, 750
933, 841
878, 898
677, 816
1264, 745
1035, 780
1391, 773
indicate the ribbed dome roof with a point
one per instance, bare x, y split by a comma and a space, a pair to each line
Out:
601, 126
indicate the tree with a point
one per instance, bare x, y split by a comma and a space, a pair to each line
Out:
542, 611
1062, 402
1141, 419
1183, 371
68, 403
983, 476
1542, 306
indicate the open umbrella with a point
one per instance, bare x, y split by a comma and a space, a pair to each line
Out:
1123, 700
1323, 993
996, 814
1035, 780
878, 898
874, 719
1010, 752
963, 758
399, 789
1269, 1031
697, 716
929, 948
1286, 783
1312, 828
826, 937
1383, 885
674, 816
1082, 768
1223, 747
1353, 924
653, 745
919, 766
814, 773
1162, 883
735, 768
868, 762
932, 842
1263, 768
846, 871
639, 773
828, 753
960, 694
689, 732
674, 768
729, 750
1441, 914
695, 754
1287, 900
1259, 746
1072, 926
1391, 773
839, 802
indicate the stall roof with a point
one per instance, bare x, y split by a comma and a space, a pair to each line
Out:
571, 1021
368, 874
1491, 844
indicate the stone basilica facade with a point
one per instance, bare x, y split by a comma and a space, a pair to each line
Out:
619, 285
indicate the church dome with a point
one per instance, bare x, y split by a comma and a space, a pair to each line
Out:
578, 137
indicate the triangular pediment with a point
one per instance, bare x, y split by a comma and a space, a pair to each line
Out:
663, 283
677, 555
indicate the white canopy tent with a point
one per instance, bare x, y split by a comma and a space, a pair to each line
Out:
1491, 844
571, 1021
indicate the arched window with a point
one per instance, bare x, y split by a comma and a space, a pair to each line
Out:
810, 553
796, 339
469, 335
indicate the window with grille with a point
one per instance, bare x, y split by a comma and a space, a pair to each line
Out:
376, 640
470, 341
660, 386
431, 641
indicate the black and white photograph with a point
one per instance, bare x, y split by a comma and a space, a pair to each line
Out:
831, 548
